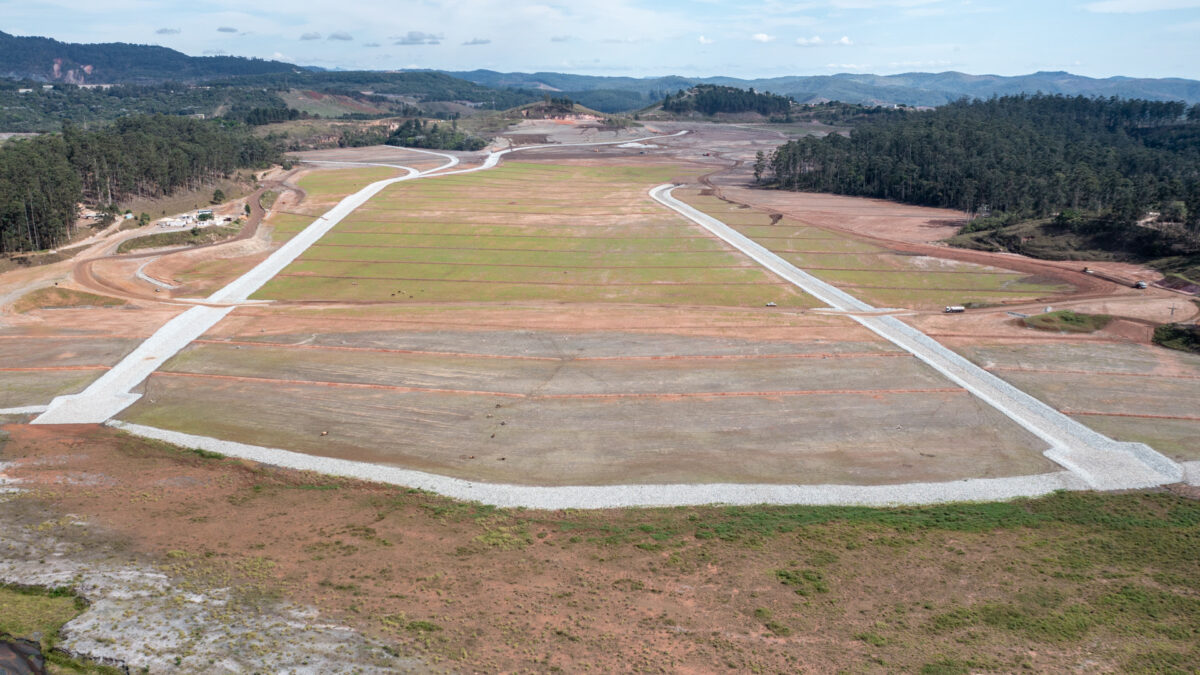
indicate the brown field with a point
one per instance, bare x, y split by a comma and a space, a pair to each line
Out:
1130, 392
1070, 582
546, 323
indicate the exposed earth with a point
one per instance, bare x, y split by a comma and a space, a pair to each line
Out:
545, 323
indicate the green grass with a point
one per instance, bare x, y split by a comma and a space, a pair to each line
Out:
1066, 321
38, 614
336, 182
33, 613
591, 234
190, 237
1178, 336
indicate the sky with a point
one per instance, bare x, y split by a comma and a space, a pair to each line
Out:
739, 38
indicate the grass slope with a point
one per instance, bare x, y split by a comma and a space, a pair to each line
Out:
1067, 321
54, 297
192, 237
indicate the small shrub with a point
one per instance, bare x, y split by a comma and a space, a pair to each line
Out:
803, 582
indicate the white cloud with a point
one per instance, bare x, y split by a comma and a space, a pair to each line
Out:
706, 41
562, 38
227, 29
1139, 6
848, 66
168, 31
762, 37
370, 44
340, 36
416, 37
311, 36
215, 52
477, 41
816, 41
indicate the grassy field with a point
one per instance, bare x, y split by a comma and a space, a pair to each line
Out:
40, 387
323, 188
324, 184
527, 232
870, 272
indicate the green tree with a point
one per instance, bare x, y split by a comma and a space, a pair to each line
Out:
218, 196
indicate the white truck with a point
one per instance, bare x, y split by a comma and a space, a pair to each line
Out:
954, 309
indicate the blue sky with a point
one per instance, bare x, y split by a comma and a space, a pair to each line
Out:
1100, 38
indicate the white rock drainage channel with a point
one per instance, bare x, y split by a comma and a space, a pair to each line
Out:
1100, 461
1095, 460
112, 392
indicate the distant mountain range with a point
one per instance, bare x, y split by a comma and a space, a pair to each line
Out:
48, 60
918, 89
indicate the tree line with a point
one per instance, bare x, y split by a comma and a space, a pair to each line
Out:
1019, 156
44, 179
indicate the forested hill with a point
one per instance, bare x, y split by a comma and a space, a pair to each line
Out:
48, 60
1028, 155
43, 179
1123, 174
707, 99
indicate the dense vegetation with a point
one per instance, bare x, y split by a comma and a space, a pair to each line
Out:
419, 133
708, 99
38, 58
42, 180
1067, 321
1026, 155
1179, 336
42, 110
1050, 176
39, 190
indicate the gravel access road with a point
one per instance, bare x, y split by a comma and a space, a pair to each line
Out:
1103, 463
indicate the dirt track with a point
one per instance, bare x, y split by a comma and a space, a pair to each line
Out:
85, 275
